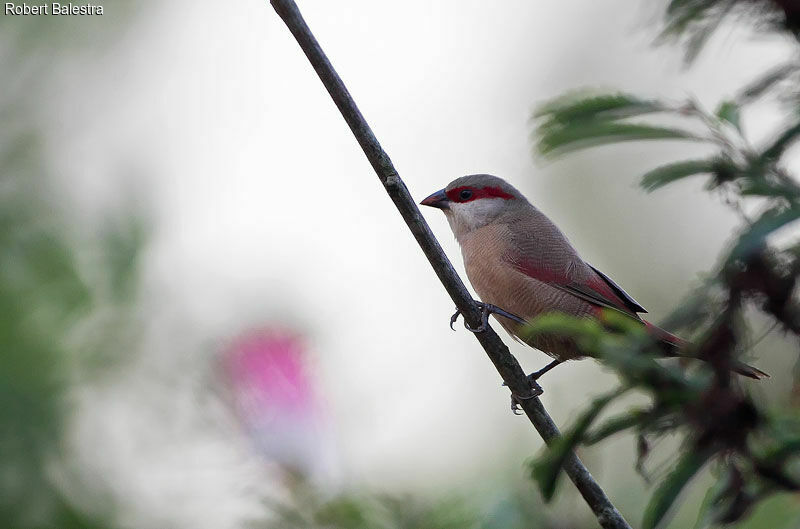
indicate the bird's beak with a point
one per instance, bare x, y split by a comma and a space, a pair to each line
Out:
437, 200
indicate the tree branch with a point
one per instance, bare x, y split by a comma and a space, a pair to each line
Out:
508, 367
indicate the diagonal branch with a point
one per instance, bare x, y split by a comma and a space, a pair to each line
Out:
508, 367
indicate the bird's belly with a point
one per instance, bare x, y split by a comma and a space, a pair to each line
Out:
513, 291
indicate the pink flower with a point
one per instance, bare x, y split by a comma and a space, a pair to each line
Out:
275, 398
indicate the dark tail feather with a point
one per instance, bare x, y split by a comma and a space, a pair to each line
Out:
748, 371
674, 343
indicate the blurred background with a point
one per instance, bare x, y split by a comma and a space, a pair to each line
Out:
212, 315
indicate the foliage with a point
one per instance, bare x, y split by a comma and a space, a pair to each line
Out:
719, 422
693, 22
58, 315
308, 508
350, 511
44, 300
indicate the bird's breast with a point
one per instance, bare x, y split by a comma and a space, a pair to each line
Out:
490, 268
489, 263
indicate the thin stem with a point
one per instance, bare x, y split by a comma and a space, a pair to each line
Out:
508, 367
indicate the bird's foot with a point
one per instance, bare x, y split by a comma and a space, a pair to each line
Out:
536, 389
486, 310
516, 400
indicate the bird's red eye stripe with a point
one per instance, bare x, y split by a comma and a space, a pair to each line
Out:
468, 193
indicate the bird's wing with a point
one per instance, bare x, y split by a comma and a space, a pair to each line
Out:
629, 302
597, 288
588, 293
541, 251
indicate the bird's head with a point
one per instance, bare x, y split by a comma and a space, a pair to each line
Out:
474, 201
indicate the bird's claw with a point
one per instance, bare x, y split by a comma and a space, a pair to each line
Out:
484, 318
536, 390
486, 310
454, 318
484, 322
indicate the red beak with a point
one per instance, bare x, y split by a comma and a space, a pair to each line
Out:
437, 200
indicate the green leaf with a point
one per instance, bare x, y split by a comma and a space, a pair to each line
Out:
729, 111
345, 512
698, 39
680, 14
755, 235
766, 188
571, 108
666, 174
587, 333
556, 141
616, 424
667, 492
546, 469
774, 151
560, 323
123, 250
788, 448
766, 82
710, 504
695, 21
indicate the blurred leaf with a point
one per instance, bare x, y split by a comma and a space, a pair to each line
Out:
407, 512
123, 248
756, 234
709, 507
767, 188
688, 465
587, 332
557, 141
642, 451
352, 511
666, 174
695, 21
681, 13
767, 82
786, 448
343, 512
701, 304
698, 39
615, 425
568, 109
577, 121
729, 111
775, 150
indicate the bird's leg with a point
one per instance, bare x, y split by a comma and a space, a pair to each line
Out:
486, 310
536, 374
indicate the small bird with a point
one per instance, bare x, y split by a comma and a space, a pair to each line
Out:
521, 266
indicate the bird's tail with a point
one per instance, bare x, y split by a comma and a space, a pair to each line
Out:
748, 371
675, 343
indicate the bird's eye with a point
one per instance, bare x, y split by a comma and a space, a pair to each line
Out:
465, 194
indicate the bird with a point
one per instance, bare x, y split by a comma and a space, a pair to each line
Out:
522, 266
